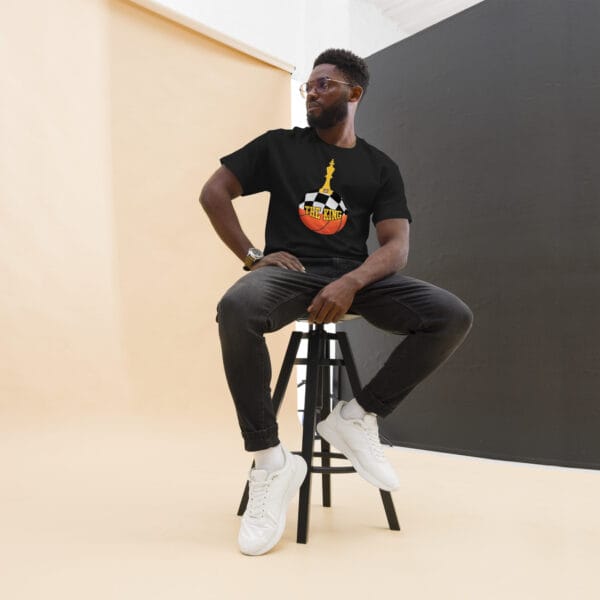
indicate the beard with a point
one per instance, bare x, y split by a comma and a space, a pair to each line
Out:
328, 117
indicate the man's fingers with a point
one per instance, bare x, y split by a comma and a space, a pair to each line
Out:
312, 312
287, 261
292, 266
326, 315
293, 263
335, 317
280, 259
323, 313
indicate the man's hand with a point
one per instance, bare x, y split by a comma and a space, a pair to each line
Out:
332, 302
279, 259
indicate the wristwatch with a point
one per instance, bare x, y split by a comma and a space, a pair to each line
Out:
253, 256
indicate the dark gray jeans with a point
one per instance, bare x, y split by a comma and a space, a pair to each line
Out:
434, 320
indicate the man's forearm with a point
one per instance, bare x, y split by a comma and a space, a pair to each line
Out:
219, 208
389, 258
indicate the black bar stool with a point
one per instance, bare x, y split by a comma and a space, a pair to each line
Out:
318, 400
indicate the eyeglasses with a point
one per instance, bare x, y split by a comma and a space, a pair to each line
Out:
320, 85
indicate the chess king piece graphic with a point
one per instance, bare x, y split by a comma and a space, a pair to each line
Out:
324, 211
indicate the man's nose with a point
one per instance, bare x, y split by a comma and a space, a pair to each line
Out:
311, 93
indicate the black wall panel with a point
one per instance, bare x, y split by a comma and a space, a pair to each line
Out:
494, 118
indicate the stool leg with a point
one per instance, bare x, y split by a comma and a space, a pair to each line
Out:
245, 497
325, 403
308, 432
349, 363
280, 387
348, 358
390, 511
326, 477
286, 369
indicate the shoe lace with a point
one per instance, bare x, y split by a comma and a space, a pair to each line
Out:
375, 444
259, 491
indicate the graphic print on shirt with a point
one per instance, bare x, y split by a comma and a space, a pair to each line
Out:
324, 211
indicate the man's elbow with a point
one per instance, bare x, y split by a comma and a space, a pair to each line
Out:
402, 259
222, 186
402, 262
207, 197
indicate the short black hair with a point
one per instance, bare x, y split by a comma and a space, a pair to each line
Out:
352, 66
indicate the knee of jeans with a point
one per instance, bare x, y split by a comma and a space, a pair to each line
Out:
452, 316
235, 309
229, 308
460, 318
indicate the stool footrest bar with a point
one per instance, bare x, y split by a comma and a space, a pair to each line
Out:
329, 455
315, 469
328, 362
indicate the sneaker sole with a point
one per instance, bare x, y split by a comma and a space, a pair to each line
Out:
300, 471
331, 436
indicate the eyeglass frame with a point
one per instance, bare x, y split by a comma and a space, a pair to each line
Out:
304, 91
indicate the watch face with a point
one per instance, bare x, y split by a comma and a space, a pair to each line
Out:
255, 254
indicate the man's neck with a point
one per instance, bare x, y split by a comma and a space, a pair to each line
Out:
341, 135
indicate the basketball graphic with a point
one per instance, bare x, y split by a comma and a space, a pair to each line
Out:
324, 211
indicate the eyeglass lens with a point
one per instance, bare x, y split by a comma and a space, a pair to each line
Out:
319, 85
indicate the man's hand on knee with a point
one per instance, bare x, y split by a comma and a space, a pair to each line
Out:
285, 260
332, 302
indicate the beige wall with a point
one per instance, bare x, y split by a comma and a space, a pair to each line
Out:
112, 118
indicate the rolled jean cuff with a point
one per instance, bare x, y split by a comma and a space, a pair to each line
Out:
373, 405
261, 440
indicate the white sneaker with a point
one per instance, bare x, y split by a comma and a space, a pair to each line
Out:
270, 494
358, 440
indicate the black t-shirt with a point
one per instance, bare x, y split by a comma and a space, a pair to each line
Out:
322, 196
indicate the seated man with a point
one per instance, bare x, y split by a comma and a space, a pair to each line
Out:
326, 184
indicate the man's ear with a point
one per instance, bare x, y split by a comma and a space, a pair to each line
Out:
356, 93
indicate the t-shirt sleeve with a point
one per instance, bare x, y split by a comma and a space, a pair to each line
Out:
390, 201
250, 164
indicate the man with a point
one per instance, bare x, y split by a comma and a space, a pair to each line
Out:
326, 184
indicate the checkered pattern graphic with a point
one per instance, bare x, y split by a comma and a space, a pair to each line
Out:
317, 199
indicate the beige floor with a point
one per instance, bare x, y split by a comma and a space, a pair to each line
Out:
128, 509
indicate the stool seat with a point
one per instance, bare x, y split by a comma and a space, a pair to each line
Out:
319, 402
345, 317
